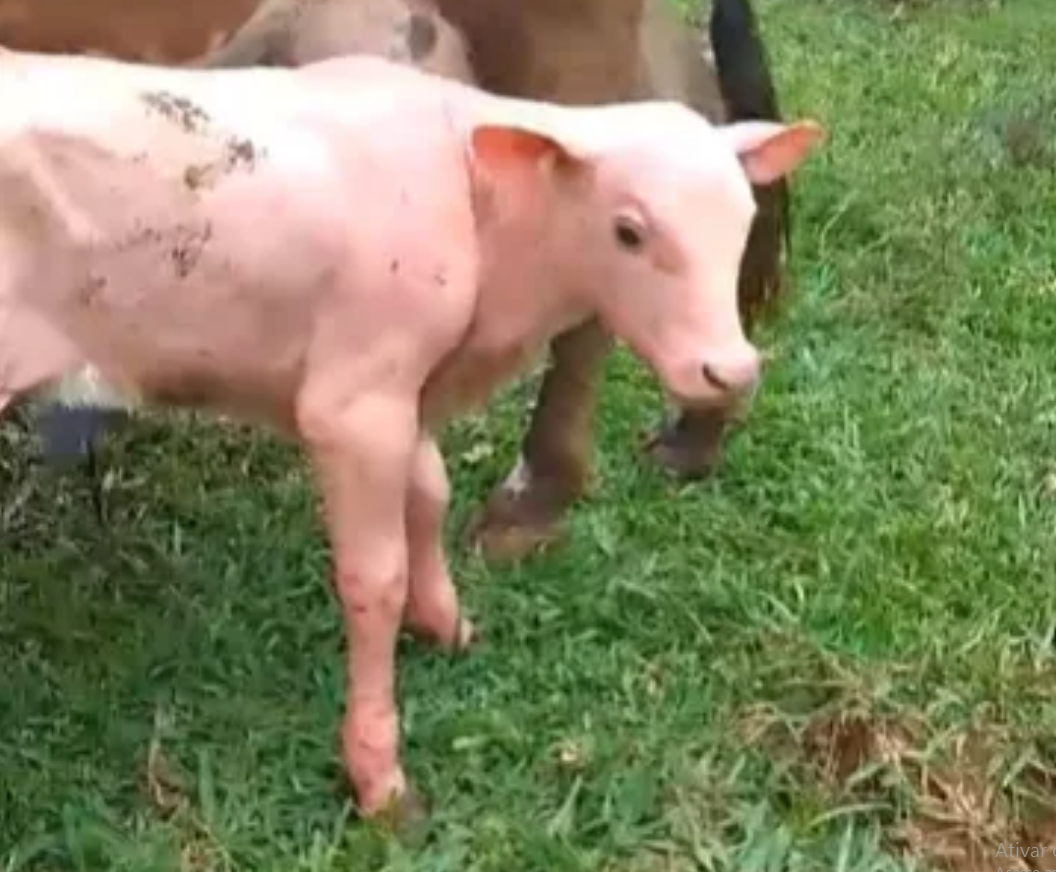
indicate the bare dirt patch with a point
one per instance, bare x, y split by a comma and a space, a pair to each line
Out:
953, 796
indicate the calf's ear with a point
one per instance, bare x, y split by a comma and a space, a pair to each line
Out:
769, 150
498, 147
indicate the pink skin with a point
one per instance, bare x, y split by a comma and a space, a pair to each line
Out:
354, 252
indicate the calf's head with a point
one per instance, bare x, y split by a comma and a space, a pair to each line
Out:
641, 214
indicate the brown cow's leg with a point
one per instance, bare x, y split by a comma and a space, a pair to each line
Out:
363, 458
691, 446
525, 512
432, 610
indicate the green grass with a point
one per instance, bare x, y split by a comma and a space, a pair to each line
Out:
690, 683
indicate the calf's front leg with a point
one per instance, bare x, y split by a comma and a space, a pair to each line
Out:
363, 454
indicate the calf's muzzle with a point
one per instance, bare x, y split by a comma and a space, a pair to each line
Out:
732, 370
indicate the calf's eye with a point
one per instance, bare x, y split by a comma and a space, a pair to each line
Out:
630, 235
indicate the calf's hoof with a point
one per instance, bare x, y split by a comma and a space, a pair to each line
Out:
387, 800
514, 525
453, 638
402, 813
463, 637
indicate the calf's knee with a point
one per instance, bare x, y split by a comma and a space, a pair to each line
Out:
372, 593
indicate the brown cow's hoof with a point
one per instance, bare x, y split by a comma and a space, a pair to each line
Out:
513, 526
684, 460
513, 544
689, 448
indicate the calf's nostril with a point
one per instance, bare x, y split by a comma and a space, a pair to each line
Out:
713, 377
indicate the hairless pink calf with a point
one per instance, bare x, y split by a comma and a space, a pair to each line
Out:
353, 252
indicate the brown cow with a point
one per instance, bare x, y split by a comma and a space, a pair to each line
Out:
569, 51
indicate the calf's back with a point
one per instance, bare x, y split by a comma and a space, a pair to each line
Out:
168, 204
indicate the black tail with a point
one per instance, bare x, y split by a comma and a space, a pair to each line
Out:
740, 58
748, 91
